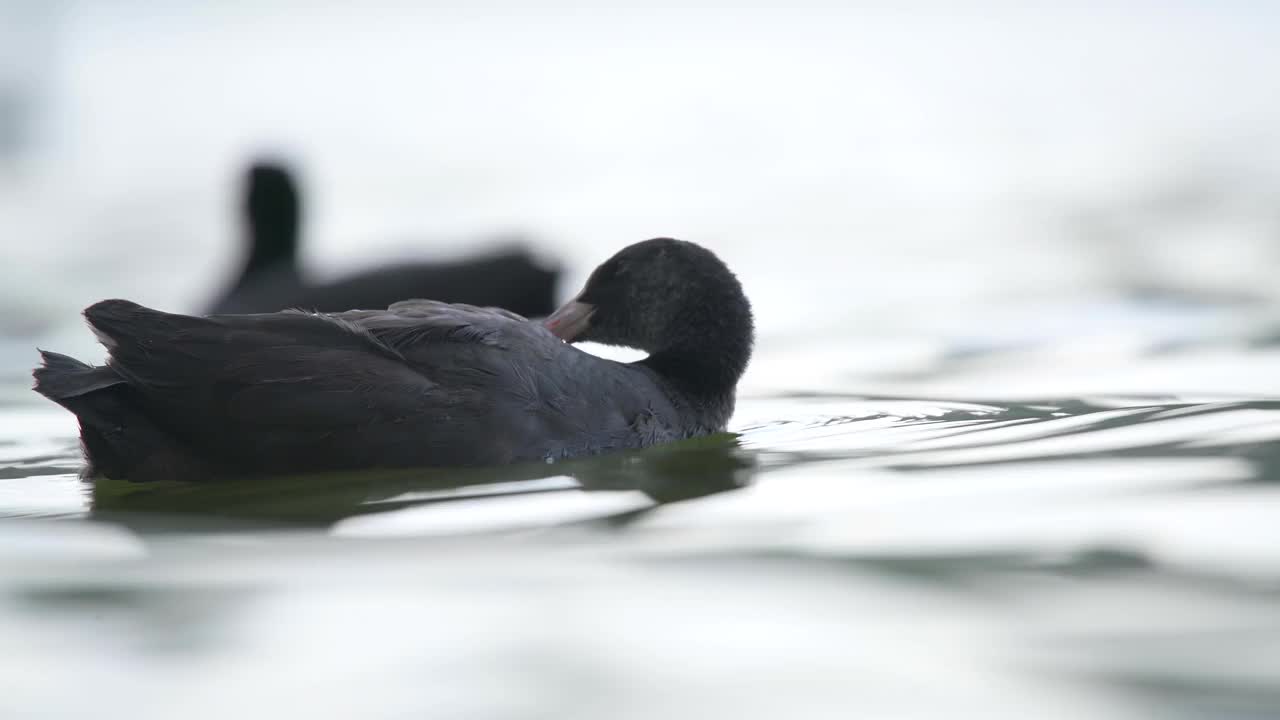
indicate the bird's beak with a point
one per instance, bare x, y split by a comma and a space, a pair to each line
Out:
571, 320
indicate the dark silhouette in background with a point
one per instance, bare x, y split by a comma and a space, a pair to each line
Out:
271, 279
423, 384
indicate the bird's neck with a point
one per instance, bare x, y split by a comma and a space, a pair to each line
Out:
271, 249
706, 363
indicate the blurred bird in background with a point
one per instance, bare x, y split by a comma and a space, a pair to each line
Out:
271, 279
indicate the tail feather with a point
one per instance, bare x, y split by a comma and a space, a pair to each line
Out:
118, 439
112, 320
61, 377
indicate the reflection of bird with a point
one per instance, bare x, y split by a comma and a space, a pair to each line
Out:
668, 473
420, 384
271, 280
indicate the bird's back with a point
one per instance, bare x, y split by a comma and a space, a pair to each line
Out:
511, 280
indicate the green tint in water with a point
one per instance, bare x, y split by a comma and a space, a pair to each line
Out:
664, 474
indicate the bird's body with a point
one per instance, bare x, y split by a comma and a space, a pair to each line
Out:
271, 279
420, 384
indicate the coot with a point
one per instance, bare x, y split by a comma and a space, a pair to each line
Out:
419, 384
270, 279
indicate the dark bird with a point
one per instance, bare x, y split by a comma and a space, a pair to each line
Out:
271, 280
419, 384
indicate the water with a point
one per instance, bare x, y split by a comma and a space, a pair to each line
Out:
1008, 447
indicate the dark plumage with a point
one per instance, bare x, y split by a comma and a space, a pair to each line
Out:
420, 384
270, 279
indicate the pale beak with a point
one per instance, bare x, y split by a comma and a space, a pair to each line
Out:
570, 321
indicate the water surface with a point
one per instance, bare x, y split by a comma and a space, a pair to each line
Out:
1008, 447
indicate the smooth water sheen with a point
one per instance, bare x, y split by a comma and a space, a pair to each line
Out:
1095, 556
1009, 446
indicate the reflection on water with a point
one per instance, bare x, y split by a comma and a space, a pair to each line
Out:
1106, 555
664, 474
